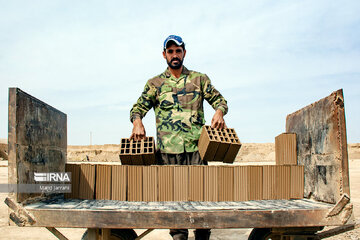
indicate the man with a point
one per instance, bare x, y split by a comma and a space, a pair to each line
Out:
177, 98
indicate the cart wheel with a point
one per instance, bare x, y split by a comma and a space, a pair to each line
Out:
263, 234
119, 234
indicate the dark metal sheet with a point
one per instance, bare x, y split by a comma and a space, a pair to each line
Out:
322, 147
37, 139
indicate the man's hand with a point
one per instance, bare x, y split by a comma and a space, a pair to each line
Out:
138, 131
218, 121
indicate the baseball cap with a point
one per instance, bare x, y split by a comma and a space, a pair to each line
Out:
178, 40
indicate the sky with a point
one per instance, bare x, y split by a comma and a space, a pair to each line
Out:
91, 59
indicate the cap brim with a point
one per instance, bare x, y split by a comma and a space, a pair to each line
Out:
173, 40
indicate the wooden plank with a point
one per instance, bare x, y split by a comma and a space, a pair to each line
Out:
322, 147
218, 217
37, 139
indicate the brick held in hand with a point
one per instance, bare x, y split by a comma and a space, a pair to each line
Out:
149, 151
223, 145
218, 145
136, 152
208, 143
234, 147
125, 155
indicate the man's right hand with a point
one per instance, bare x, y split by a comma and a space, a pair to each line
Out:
138, 131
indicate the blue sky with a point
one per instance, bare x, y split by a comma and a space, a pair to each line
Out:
91, 59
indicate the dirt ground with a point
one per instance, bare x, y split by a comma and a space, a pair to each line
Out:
33, 233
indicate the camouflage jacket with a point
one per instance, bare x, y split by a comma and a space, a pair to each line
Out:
178, 106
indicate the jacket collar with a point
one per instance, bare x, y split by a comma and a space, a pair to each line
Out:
185, 71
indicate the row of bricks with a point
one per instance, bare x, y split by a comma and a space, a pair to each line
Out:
218, 145
137, 152
185, 183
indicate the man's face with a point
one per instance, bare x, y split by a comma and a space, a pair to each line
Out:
174, 56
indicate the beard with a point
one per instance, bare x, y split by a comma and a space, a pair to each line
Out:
175, 65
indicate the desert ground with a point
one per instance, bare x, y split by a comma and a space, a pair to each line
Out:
249, 153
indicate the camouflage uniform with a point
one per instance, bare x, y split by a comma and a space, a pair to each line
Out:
178, 106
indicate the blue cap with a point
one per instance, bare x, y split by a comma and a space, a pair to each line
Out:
176, 39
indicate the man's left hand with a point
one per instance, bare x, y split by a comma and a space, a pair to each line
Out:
218, 121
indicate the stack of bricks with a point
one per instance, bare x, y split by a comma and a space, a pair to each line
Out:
286, 162
137, 152
185, 183
218, 145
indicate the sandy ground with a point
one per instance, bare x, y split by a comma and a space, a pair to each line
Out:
34, 233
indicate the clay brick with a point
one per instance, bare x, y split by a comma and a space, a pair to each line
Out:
137, 152
103, 182
136, 158
283, 182
74, 169
118, 182
226, 183
211, 185
234, 147
181, 183
196, 183
285, 149
135, 183
166, 183
269, 182
87, 181
255, 181
297, 182
223, 145
241, 185
208, 143
125, 155
148, 151
150, 183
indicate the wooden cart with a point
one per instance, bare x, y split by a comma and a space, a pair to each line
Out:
37, 143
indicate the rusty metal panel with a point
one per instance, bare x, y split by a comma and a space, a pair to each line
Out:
322, 147
37, 138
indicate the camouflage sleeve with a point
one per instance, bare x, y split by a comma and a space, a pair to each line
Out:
145, 102
213, 96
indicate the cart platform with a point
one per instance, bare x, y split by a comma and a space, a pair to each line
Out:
119, 214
